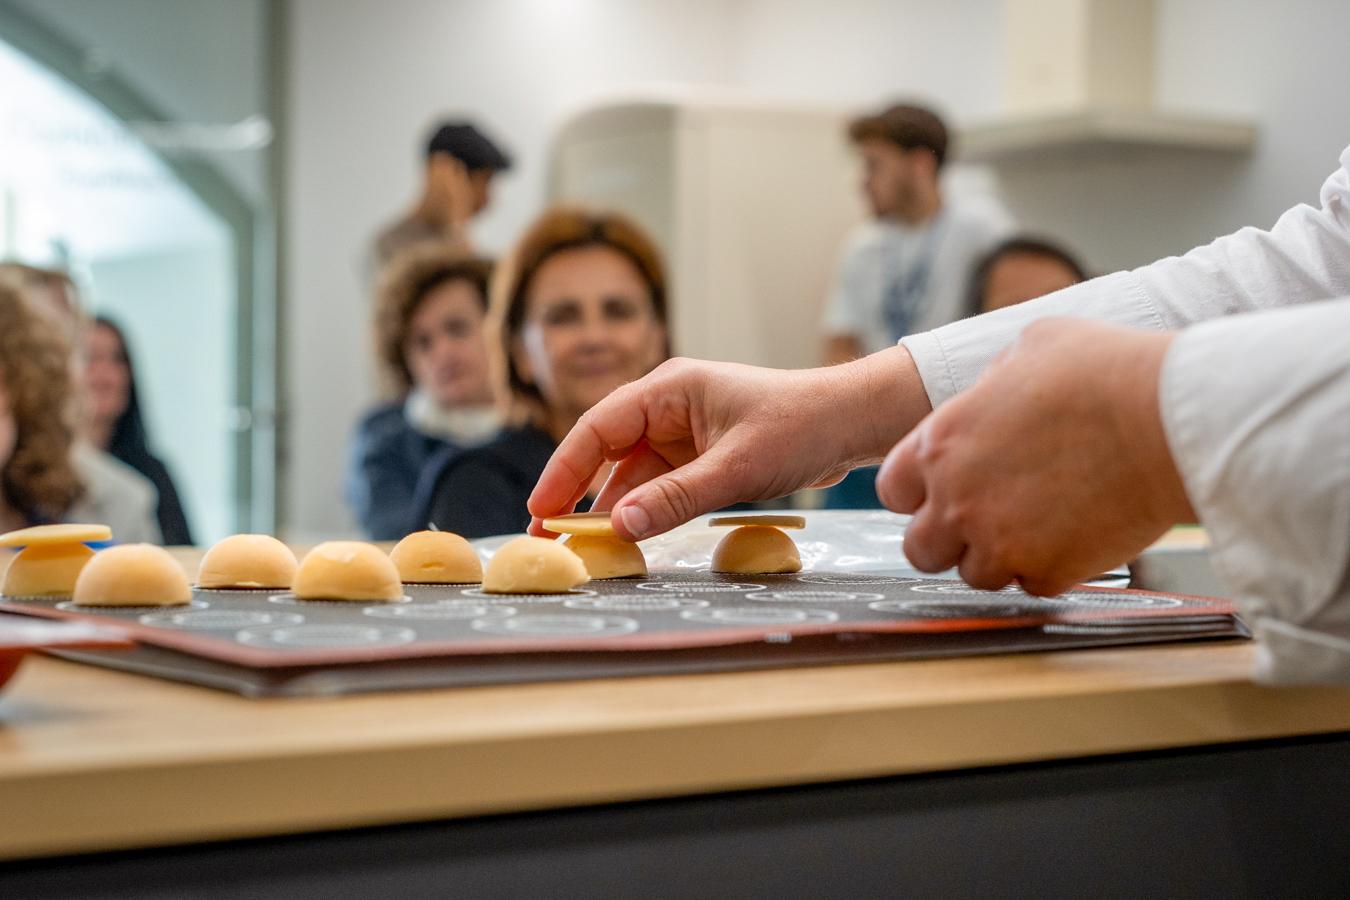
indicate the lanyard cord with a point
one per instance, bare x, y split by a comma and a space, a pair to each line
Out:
901, 298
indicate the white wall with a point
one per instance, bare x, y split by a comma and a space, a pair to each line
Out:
1282, 68
367, 77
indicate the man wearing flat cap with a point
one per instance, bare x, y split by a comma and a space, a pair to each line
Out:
461, 162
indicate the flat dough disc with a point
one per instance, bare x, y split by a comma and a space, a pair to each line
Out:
771, 521
55, 534
592, 524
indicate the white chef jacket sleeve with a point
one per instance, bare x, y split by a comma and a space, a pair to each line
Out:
1257, 414
1304, 257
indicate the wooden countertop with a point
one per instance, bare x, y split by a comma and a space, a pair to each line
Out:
92, 759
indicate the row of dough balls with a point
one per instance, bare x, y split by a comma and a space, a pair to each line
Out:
55, 562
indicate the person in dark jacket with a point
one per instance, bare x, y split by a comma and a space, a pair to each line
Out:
429, 319
115, 424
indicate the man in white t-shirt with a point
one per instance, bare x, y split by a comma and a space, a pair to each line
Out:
908, 270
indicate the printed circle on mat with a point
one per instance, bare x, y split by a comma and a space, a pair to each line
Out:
558, 626
955, 609
636, 602
960, 587
446, 610
1104, 600
697, 587
814, 597
759, 615
209, 619
72, 606
481, 596
292, 600
325, 636
844, 578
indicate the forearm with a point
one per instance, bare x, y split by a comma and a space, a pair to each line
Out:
1302, 259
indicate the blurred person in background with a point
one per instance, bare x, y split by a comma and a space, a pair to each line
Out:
114, 494
430, 339
1021, 268
461, 163
908, 270
113, 421
38, 481
578, 309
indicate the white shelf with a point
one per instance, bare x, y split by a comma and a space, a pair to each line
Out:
1101, 133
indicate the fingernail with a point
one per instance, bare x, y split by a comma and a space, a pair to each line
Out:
636, 520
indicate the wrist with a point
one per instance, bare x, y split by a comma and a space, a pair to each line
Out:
879, 399
1140, 423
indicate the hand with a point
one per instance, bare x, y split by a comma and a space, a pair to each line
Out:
1053, 468
693, 437
451, 191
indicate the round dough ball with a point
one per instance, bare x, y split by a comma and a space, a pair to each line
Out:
45, 570
607, 557
248, 561
436, 557
532, 565
756, 550
347, 570
132, 575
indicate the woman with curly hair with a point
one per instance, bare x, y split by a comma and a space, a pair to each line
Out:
429, 316
38, 481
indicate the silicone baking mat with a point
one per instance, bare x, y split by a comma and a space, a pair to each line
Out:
678, 615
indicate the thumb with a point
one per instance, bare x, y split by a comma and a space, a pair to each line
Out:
709, 482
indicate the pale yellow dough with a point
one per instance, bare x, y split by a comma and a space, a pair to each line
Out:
248, 561
132, 575
595, 524
347, 570
756, 550
531, 565
607, 557
436, 557
46, 570
775, 521
55, 534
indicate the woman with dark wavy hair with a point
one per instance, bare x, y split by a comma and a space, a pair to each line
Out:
38, 482
114, 422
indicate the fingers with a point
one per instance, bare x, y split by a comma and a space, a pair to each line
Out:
932, 544
708, 482
638, 467
900, 481
608, 431
983, 571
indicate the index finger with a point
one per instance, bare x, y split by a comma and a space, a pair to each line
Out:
609, 430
